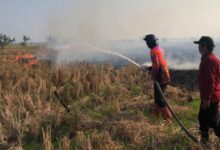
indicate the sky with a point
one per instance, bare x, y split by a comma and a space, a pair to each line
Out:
109, 19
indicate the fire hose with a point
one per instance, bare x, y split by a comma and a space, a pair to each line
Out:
175, 116
61, 101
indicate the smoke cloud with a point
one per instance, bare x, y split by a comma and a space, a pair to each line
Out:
180, 54
102, 23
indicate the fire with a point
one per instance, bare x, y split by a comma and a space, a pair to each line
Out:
27, 59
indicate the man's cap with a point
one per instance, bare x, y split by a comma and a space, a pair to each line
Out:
150, 38
205, 40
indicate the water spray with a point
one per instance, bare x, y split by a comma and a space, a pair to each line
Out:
113, 53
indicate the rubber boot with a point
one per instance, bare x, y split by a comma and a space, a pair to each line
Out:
156, 110
166, 114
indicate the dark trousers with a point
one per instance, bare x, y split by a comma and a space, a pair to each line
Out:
158, 97
208, 119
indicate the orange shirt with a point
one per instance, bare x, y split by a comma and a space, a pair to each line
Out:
160, 69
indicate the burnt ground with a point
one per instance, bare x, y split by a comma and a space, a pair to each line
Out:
186, 79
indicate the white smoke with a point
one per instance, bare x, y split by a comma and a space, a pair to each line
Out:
96, 22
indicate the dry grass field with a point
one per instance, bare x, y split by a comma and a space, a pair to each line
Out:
110, 108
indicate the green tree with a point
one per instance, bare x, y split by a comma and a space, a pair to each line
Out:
5, 40
25, 39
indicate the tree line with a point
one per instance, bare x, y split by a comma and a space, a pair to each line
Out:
7, 40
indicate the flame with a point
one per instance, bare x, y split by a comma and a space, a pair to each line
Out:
27, 59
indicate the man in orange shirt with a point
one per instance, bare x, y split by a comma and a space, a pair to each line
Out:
160, 73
